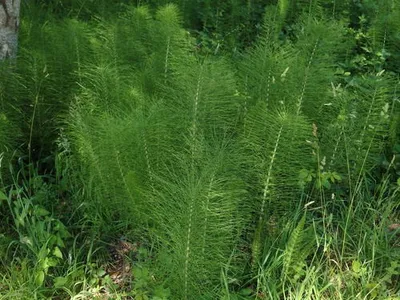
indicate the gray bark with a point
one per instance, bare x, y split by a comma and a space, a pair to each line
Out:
9, 24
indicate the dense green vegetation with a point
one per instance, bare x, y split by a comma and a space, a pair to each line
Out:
236, 149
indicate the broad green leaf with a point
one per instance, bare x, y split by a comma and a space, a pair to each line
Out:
44, 252
356, 266
40, 212
101, 273
246, 292
161, 293
60, 282
60, 242
326, 183
336, 176
373, 287
39, 278
57, 252
52, 262
52, 240
44, 264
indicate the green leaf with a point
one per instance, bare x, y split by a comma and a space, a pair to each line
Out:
141, 273
336, 176
356, 266
52, 262
161, 293
57, 252
39, 278
43, 253
246, 292
101, 273
60, 242
2, 196
93, 281
143, 252
60, 282
137, 272
20, 221
373, 288
326, 183
40, 211
26, 240
62, 230
44, 264
306, 175
398, 181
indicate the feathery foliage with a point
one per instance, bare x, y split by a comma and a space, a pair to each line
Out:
229, 166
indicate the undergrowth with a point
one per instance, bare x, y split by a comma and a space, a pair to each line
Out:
150, 152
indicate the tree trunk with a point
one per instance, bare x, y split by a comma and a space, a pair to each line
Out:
9, 23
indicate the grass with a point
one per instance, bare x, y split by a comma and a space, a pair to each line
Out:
348, 253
